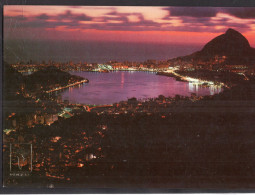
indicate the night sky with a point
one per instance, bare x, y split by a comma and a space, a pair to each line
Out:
135, 24
168, 25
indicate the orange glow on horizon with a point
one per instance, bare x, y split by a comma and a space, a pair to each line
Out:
148, 16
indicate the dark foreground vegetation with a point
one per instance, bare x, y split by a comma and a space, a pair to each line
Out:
180, 150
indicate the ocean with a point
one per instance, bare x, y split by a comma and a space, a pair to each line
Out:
92, 51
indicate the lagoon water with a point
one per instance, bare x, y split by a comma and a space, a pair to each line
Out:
108, 88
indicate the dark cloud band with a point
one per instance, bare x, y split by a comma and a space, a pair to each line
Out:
198, 12
193, 19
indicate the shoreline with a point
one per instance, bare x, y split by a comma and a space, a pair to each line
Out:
124, 70
67, 86
169, 74
198, 81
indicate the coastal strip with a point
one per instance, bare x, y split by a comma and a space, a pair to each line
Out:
179, 77
67, 86
171, 74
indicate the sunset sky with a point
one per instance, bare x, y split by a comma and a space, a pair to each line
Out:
126, 24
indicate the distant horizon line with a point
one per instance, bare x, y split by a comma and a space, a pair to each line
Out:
105, 41
113, 41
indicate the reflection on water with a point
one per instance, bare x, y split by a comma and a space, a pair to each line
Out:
108, 88
213, 89
122, 79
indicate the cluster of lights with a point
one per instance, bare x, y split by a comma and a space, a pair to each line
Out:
70, 85
192, 80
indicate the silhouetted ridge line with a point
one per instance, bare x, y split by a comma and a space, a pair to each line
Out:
232, 45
